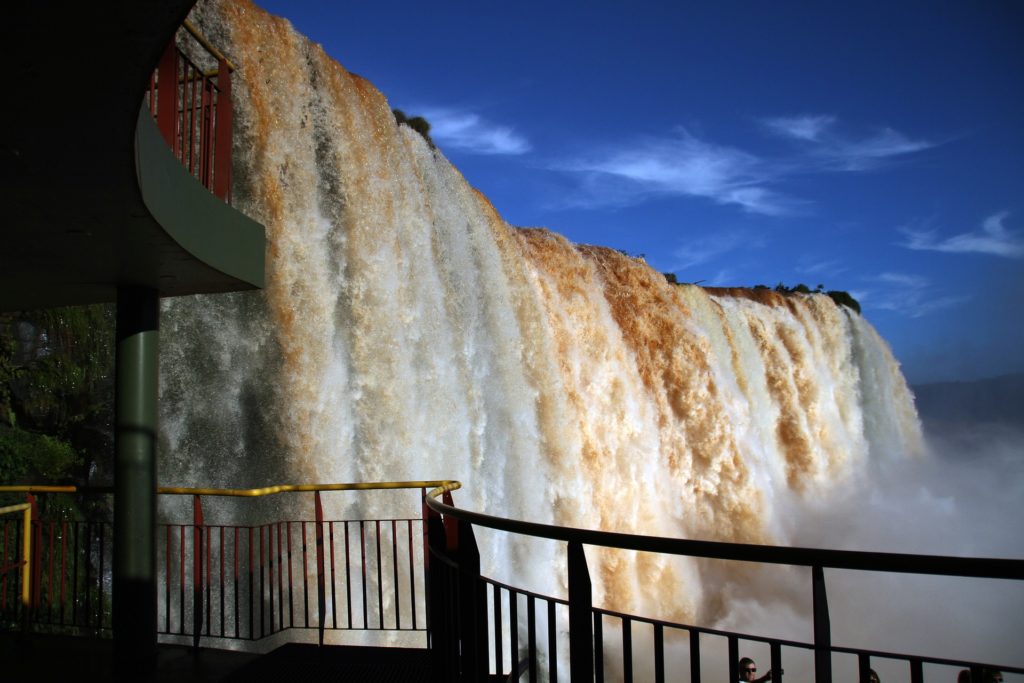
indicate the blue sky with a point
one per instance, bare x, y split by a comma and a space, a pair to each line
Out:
874, 147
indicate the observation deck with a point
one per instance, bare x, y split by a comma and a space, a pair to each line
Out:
301, 591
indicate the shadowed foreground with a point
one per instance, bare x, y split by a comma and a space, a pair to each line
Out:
61, 658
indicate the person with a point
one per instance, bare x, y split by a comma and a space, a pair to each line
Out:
992, 676
748, 672
873, 676
964, 676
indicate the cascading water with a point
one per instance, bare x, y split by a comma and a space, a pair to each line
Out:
408, 332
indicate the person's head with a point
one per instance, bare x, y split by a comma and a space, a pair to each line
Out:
872, 676
748, 670
964, 676
993, 676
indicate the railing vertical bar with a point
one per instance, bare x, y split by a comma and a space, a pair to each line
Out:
74, 579
167, 581
627, 650
305, 574
198, 581
348, 578
394, 565
204, 128
291, 597
499, 656
552, 644
425, 516
49, 574
263, 560
223, 585
777, 671
6, 555
659, 653
513, 632
412, 574
695, 656
362, 554
734, 656
99, 578
63, 566
581, 641
380, 580
863, 668
235, 576
252, 620
916, 670
531, 625
167, 97
181, 584
822, 628
223, 132
321, 602
280, 579
209, 578
334, 602
88, 574
193, 121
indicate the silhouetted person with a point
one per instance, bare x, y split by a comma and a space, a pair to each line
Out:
748, 672
873, 676
964, 676
992, 676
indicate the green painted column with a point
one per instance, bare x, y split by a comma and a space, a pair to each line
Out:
134, 569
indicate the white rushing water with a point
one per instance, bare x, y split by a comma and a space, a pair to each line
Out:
408, 332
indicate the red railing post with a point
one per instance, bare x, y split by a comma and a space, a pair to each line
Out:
224, 113
167, 96
321, 600
37, 554
197, 570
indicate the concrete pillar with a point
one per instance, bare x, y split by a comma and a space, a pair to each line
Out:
134, 568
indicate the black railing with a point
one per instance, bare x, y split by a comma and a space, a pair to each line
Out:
468, 625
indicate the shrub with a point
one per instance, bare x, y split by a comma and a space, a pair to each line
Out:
417, 123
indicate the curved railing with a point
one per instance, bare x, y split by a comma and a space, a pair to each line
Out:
464, 644
192, 107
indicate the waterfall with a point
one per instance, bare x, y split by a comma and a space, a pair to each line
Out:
408, 332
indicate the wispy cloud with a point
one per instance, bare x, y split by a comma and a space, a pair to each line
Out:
684, 165
468, 131
835, 150
681, 166
830, 267
993, 238
704, 249
906, 294
805, 127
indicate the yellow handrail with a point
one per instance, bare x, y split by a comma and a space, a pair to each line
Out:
293, 488
37, 488
26, 547
441, 485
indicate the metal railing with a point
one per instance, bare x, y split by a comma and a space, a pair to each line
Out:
235, 582
421, 574
9, 561
479, 619
193, 111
